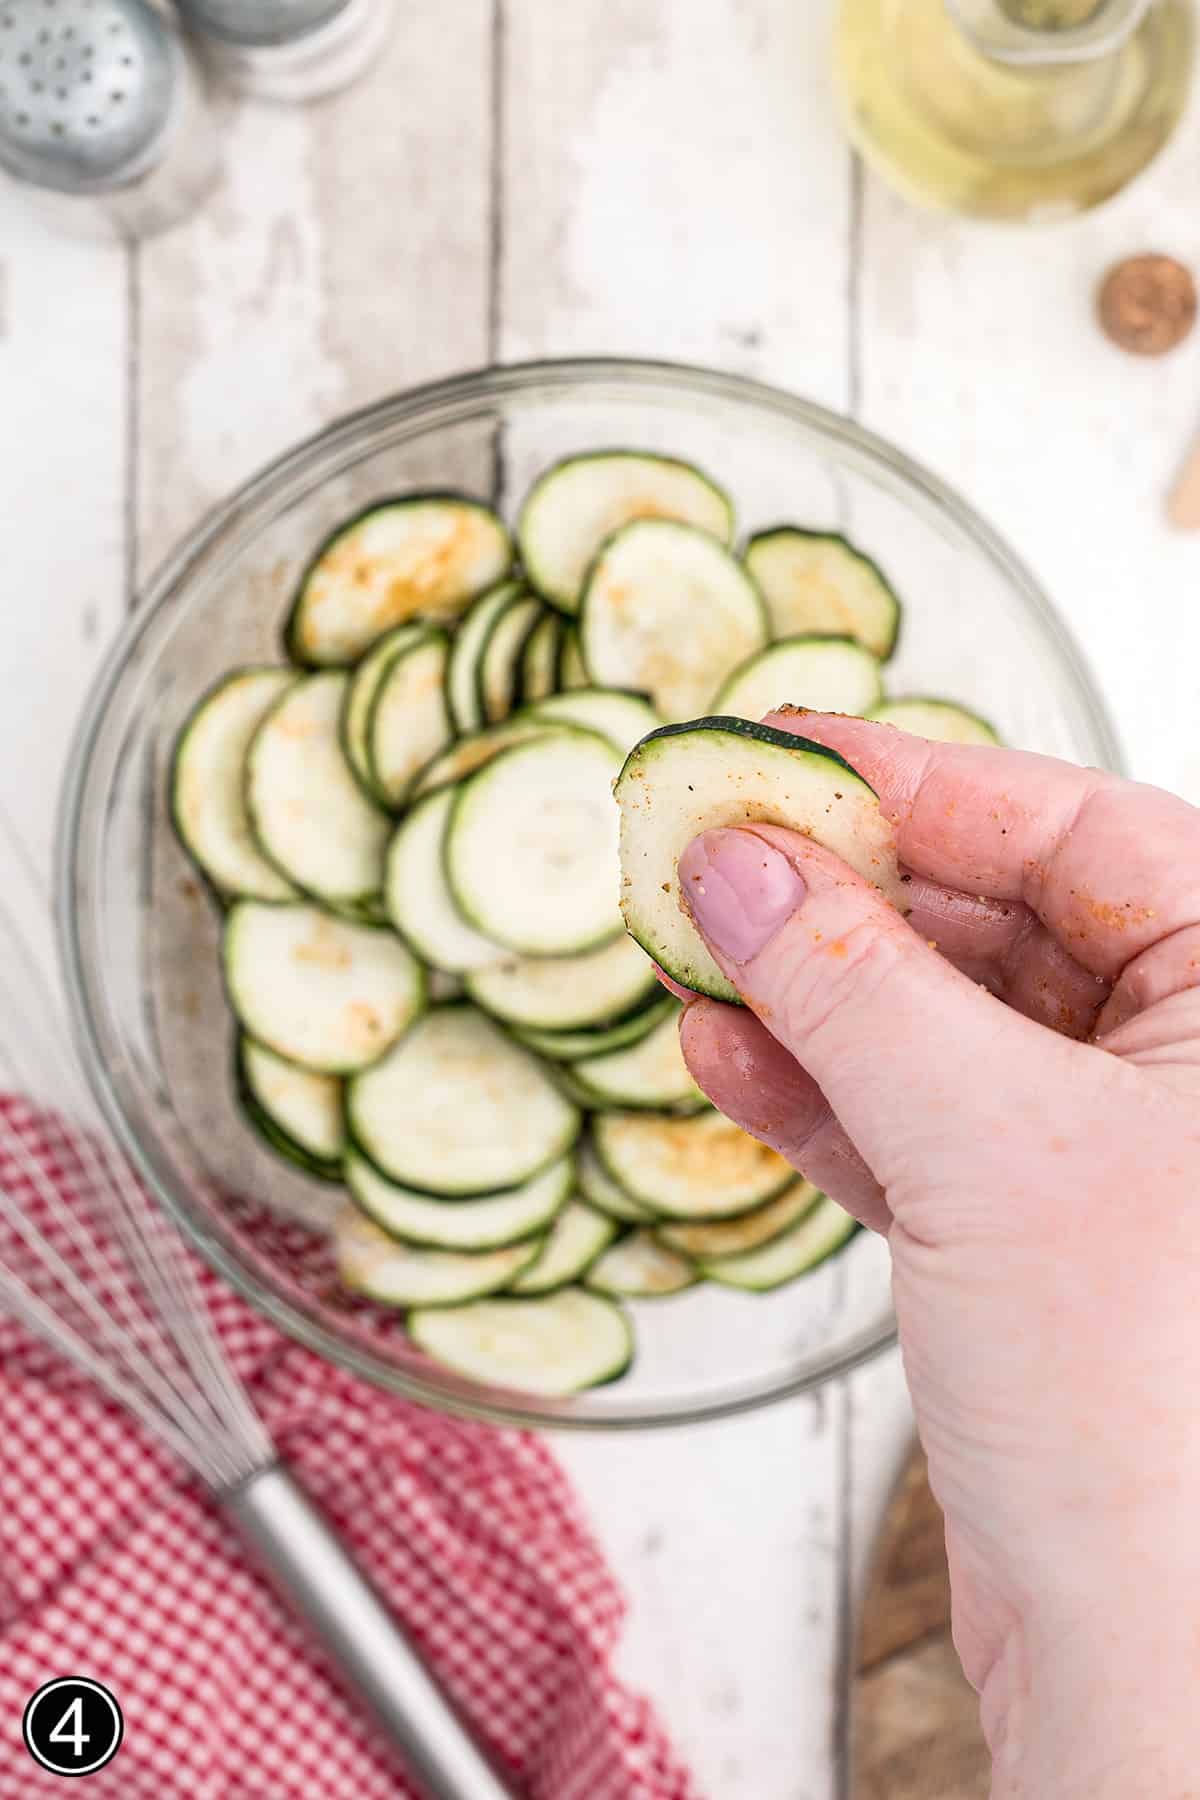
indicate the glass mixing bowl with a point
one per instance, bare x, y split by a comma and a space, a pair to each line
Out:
140, 936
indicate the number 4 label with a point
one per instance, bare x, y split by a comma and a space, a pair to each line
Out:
73, 1726
69, 1729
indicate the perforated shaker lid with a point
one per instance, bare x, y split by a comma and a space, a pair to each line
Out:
259, 23
86, 91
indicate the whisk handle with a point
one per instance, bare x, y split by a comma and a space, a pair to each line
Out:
314, 1574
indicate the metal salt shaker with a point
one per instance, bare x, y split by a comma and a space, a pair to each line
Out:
289, 49
103, 115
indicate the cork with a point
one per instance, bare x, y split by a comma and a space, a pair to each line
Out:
1147, 304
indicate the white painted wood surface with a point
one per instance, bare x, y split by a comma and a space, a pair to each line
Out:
653, 176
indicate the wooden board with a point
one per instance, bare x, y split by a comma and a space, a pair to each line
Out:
914, 1732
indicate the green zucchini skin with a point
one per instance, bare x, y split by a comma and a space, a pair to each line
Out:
567, 598
293, 645
747, 728
276, 1140
719, 777
887, 643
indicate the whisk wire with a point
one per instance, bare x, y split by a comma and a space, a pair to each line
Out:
139, 1326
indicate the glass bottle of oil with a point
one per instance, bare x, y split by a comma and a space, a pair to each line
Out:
1036, 132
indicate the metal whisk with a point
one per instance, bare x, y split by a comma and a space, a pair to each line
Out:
104, 1280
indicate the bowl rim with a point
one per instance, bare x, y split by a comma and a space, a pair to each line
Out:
276, 477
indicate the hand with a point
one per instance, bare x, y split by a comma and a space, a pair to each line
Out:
1008, 1085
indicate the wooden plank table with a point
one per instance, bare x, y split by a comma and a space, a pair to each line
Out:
664, 177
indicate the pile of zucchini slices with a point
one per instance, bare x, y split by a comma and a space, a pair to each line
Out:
411, 831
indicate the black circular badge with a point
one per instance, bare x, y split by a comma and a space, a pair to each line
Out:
73, 1726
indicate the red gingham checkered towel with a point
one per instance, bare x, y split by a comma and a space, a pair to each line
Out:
115, 1565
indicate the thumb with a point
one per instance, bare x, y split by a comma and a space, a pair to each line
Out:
909, 1053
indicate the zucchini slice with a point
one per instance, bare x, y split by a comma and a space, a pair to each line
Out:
418, 556
822, 674
651, 1074
471, 753
621, 718
567, 993
307, 810
601, 1191
281, 1145
730, 1237
539, 659
487, 1223
574, 506
942, 721
531, 847
638, 1267
696, 1168
554, 1344
817, 581
395, 1274
323, 992
463, 694
304, 1105
824, 1229
208, 794
686, 779
419, 902
409, 722
571, 1046
575, 1240
500, 664
668, 611
458, 1108
572, 670
360, 697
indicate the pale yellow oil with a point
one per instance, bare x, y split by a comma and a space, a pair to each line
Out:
954, 129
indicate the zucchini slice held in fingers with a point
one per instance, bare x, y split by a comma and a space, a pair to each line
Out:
668, 612
531, 846
486, 1222
815, 581
822, 674
577, 504
942, 721
551, 1344
208, 784
687, 779
308, 812
324, 992
417, 556
458, 1108
397, 1274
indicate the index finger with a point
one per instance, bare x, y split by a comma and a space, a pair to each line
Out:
1111, 867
